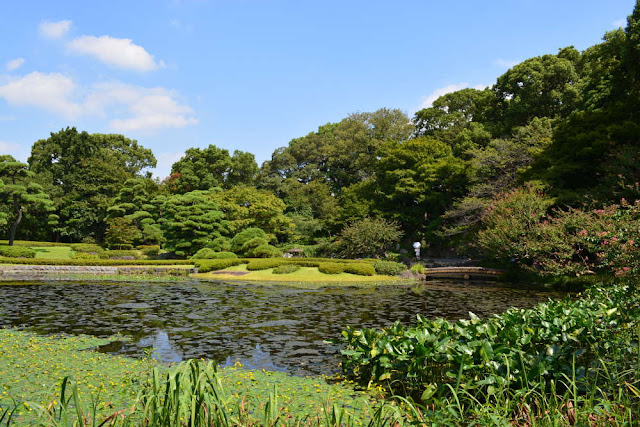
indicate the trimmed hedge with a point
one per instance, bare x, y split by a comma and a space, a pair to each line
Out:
87, 248
331, 267
223, 255
84, 255
206, 265
389, 268
116, 253
286, 269
91, 262
36, 244
17, 252
362, 269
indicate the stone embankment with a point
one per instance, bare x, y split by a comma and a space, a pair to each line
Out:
12, 272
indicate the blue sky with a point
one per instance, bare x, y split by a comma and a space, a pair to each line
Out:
253, 74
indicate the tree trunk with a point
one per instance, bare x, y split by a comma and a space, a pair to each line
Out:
14, 226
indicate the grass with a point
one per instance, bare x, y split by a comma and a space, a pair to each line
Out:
304, 275
52, 252
34, 366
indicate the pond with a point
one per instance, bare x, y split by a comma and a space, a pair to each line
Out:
270, 327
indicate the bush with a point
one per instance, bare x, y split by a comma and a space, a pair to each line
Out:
266, 251
84, 255
17, 252
250, 245
389, 268
150, 250
368, 237
331, 267
204, 253
244, 236
120, 254
207, 265
286, 269
220, 244
92, 262
223, 255
418, 268
361, 269
89, 248
265, 264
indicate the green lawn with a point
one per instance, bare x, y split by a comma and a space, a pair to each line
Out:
304, 275
52, 252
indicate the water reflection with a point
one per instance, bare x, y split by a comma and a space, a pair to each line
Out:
265, 327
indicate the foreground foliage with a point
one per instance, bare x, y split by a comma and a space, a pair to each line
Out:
587, 346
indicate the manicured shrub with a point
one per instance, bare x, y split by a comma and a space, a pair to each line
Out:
204, 253
84, 255
220, 244
368, 237
331, 267
244, 236
120, 254
207, 265
389, 268
286, 269
265, 264
250, 245
150, 250
17, 252
223, 255
91, 262
266, 251
90, 248
361, 269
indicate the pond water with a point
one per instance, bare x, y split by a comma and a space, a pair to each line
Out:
264, 327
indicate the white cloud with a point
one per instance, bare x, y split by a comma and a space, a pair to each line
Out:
126, 107
506, 63
118, 53
147, 109
619, 23
427, 101
14, 64
55, 30
51, 92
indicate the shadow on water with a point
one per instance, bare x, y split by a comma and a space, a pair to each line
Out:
264, 327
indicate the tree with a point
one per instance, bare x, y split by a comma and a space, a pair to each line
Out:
83, 173
544, 86
138, 201
190, 221
368, 237
121, 233
246, 207
21, 192
417, 180
206, 168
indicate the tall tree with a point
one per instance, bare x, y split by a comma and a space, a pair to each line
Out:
83, 173
21, 192
210, 167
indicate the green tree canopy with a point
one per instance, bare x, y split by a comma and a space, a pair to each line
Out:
22, 193
83, 173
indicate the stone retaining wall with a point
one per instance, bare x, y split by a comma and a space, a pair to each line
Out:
45, 270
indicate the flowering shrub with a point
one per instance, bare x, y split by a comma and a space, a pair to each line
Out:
517, 228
